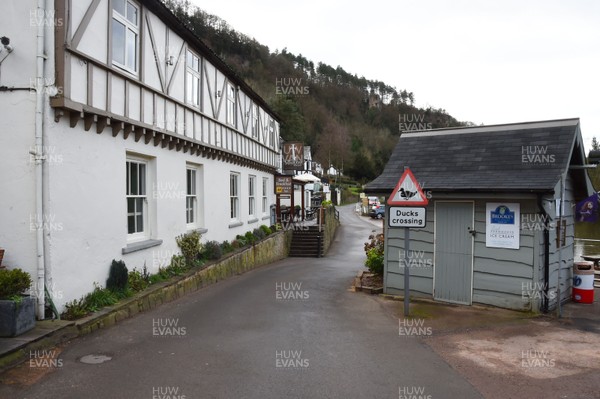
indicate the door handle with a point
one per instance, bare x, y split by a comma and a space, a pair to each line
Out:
471, 231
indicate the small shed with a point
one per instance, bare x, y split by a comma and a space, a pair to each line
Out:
497, 231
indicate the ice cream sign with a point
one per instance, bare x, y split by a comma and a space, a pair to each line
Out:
502, 215
502, 225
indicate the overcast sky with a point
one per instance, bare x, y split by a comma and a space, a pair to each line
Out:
496, 61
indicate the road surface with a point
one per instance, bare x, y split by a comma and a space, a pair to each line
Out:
292, 329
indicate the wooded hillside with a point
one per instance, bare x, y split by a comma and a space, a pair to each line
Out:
350, 122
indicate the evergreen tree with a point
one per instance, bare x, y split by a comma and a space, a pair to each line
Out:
335, 117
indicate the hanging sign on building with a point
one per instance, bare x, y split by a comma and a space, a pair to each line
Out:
293, 156
502, 225
283, 185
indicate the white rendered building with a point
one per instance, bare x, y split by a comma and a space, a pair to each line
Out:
120, 130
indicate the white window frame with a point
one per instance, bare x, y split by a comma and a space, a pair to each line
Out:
129, 27
234, 196
192, 213
255, 126
141, 193
265, 181
193, 76
266, 133
272, 132
231, 102
252, 195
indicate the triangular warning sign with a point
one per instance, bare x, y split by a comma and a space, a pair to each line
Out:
408, 191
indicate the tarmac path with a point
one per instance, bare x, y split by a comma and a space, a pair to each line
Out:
292, 329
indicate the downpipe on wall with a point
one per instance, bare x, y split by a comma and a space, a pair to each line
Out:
39, 159
545, 301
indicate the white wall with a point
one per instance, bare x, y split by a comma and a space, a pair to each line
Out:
17, 201
19, 21
87, 199
84, 173
17, 136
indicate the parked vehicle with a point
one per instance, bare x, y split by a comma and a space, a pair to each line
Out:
373, 202
377, 213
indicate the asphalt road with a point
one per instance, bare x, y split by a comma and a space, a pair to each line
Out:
289, 330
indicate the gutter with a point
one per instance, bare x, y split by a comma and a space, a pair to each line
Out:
39, 158
467, 190
545, 301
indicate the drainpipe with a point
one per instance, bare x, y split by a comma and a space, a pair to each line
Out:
560, 219
545, 302
39, 158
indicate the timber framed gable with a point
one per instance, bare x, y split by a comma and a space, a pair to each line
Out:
157, 60
148, 102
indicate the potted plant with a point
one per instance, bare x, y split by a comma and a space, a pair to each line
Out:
17, 311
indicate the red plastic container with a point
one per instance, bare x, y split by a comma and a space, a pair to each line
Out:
583, 282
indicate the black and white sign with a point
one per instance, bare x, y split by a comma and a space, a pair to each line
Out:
405, 216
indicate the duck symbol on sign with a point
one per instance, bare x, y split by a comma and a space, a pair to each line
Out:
408, 191
407, 194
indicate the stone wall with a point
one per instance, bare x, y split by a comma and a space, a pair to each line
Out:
329, 227
271, 249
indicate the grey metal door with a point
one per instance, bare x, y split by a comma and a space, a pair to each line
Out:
453, 263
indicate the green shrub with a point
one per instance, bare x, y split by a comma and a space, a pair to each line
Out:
92, 302
158, 277
190, 246
375, 254
374, 261
266, 230
126, 293
242, 240
117, 276
13, 282
259, 234
99, 298
326, 204
238, 243
177, 267
138, 280
74, 309
250, 238
226, 247
212, 250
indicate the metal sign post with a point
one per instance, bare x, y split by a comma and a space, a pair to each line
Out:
406, 271
408, 211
